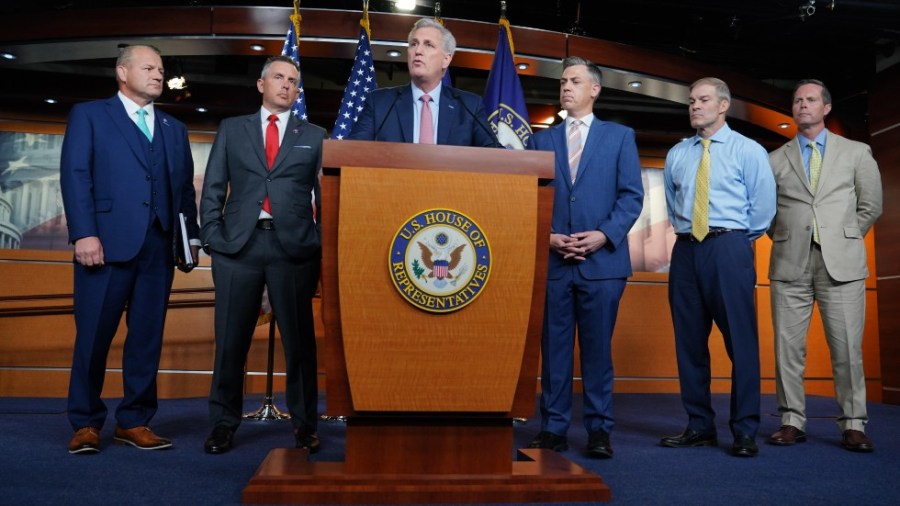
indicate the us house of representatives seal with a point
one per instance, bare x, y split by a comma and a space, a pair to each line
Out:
440, 260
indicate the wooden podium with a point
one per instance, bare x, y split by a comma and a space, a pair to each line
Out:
430, 383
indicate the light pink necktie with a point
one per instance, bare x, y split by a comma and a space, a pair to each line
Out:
574, 147
426, 122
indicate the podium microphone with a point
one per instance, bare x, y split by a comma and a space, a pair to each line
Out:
390, 109
476, 119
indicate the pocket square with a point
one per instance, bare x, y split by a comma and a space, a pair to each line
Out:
303, 147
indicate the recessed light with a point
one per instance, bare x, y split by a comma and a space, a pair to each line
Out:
257, 47
783, 125
635, 84
522, 66
393, 53
7, 56
405, 5
50, 100
201, 109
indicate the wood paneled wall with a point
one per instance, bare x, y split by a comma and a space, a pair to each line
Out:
884, 123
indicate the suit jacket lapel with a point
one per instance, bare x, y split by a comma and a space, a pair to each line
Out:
253, 127
292, 132
404, 112
447, 116
126, 128
832, 147
794, 155
561, 151
587, 152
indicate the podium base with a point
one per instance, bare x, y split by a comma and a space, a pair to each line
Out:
286, 477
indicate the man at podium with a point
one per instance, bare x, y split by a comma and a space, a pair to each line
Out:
426, 111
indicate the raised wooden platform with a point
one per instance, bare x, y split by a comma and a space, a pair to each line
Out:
287, 477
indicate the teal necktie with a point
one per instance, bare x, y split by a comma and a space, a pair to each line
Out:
142, 123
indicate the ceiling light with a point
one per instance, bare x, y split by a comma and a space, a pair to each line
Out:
257, 47
562, 114
393, 53
7, 56
783, 125
635, 84
201, 109
522, 66
405, 5
50, 100
177, 83
539, 125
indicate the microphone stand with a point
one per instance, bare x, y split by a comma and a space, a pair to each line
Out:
268, 410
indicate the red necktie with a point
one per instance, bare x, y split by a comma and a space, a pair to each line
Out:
271, 152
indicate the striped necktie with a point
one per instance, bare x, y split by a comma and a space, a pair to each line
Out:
700, 218
575, 147
426, 122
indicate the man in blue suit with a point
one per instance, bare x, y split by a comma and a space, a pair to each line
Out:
598, 197
126, 174
425, 111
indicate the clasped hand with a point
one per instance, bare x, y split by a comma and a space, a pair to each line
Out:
577, 246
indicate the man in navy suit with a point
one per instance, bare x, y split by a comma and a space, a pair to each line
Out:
598, 197
451, 116
126, 173
258, 225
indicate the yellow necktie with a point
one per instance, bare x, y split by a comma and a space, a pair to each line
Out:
815, 170
700, 218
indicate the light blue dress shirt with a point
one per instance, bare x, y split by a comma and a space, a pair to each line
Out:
435, 106
741, 184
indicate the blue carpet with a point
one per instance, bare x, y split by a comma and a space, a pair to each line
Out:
35, 467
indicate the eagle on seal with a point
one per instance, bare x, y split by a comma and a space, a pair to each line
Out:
440, 268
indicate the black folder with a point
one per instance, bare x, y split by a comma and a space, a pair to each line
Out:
183, 248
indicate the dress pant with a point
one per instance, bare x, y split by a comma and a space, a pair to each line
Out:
593, 305
713, 281
139, 287
843, 309
239, 280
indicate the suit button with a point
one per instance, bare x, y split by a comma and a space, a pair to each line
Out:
146, 204
147, 177
259, 202
571, 199
268, 179
808, 227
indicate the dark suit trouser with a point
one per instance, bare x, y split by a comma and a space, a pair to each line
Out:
713, 281
239, 281
593, 305
141, 285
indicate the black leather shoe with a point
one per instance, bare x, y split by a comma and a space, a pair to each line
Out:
549, 441
690, 438
219, 440
744, 446
598, 445
308, 439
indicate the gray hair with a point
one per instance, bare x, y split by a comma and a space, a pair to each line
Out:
127, 52
449, 41
273, 59
722, 91
592, 69
826, 95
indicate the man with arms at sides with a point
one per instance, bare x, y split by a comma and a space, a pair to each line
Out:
598, 196
425, 111
257, 223
829, 195
126, 173
721, 197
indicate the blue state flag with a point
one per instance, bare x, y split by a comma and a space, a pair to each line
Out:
361, 82
504, 102
291, 49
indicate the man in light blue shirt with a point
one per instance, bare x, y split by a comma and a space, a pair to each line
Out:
721, 196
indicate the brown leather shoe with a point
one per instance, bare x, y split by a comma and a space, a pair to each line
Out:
141, 437
786, 435
856, 441
86, 440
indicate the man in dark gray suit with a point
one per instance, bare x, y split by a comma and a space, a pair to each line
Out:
258, 223
829, 195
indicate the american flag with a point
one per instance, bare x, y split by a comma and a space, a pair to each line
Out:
290, 49
361, 82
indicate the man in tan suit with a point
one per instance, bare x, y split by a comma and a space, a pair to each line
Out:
829, 195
